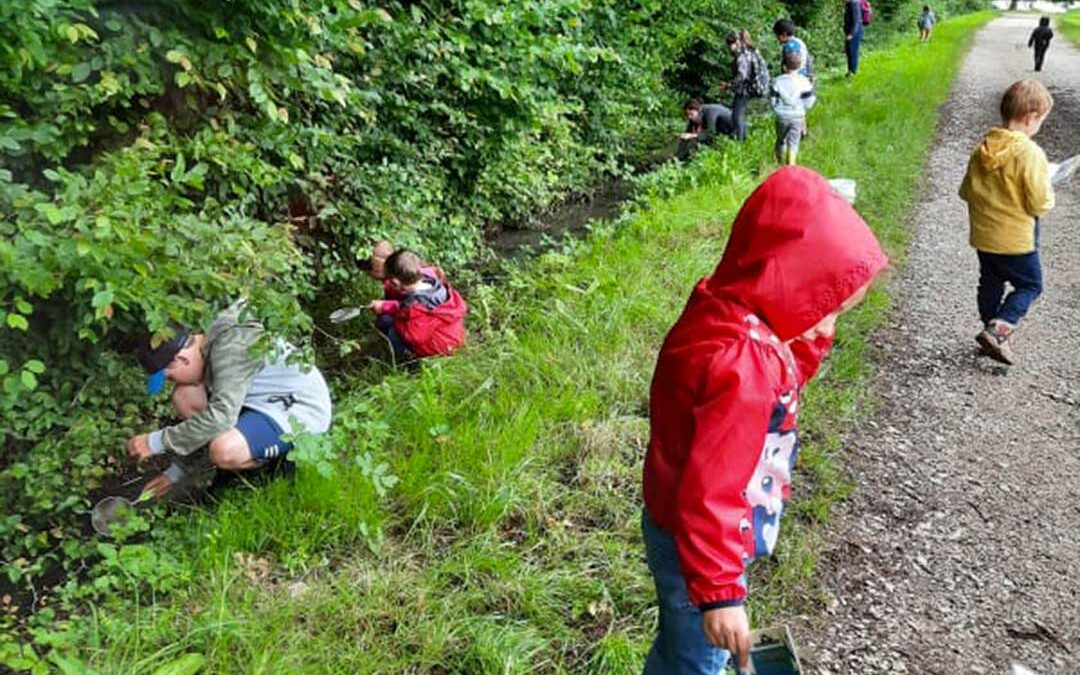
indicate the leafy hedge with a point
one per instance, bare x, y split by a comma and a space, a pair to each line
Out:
160, 157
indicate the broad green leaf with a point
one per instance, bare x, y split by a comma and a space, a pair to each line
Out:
102, 298
80, 72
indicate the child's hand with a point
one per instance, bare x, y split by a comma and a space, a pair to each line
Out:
376, 306
139, 447
158, 487
729, 628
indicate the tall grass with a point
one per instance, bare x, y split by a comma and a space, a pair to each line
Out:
511, 542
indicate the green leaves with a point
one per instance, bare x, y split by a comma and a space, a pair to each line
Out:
80, 72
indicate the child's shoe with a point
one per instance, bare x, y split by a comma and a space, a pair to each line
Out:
994, 340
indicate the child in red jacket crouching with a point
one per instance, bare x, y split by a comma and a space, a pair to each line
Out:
724, 403
428, 318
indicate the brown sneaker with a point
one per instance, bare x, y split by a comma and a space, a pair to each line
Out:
994, 340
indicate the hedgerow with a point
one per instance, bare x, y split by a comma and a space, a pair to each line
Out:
160, 158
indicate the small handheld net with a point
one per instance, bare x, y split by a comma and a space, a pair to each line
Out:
110, 511
345, 314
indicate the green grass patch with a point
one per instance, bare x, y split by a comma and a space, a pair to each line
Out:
1069, 26
511, 542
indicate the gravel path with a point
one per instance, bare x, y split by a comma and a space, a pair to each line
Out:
960, 551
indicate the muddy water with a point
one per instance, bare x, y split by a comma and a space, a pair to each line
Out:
570, 217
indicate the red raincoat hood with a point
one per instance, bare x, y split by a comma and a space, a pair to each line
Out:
766, 265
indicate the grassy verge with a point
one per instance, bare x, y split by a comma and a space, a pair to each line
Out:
1069, 25
510, 542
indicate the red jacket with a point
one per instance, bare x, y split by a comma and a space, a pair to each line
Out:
725, 393
432, 322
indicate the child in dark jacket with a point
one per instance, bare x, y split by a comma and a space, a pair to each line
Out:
425, 316
724, 403
1040, 40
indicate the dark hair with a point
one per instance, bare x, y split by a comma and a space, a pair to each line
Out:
692, 104
732, 37
1044, 21
404, 265
792, 60
783, 27
926, 8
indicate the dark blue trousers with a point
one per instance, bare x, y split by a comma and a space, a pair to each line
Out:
1023, 272
852, 47
385, 324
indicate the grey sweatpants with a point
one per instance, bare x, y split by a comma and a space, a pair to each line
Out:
789, 131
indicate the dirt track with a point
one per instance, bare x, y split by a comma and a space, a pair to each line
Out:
960, 551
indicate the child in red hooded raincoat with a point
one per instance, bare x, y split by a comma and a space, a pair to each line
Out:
724, 404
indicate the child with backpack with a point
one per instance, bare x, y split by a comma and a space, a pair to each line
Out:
750, 78
724, 405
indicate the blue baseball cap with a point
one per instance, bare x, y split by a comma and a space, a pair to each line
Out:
154, 359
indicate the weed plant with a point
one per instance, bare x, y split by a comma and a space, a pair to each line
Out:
510, 542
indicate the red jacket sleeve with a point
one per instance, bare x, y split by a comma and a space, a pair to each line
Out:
389, 307
731, 420
808, 357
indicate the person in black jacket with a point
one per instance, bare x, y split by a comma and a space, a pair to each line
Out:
853, 33
1040, 39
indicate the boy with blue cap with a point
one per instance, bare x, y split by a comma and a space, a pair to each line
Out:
236, 405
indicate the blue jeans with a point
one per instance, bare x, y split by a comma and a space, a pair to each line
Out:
385, 324
738, 116
1023, 272
852, 48
680, 647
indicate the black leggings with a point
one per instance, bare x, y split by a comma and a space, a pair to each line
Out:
1040, 54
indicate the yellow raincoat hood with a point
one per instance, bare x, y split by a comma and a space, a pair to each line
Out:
1007, 187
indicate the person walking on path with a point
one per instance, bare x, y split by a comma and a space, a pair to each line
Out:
853, 33
1040, 40
1007, 189
724, 404
926, 23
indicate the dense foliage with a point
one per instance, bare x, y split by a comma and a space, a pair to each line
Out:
158, 158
